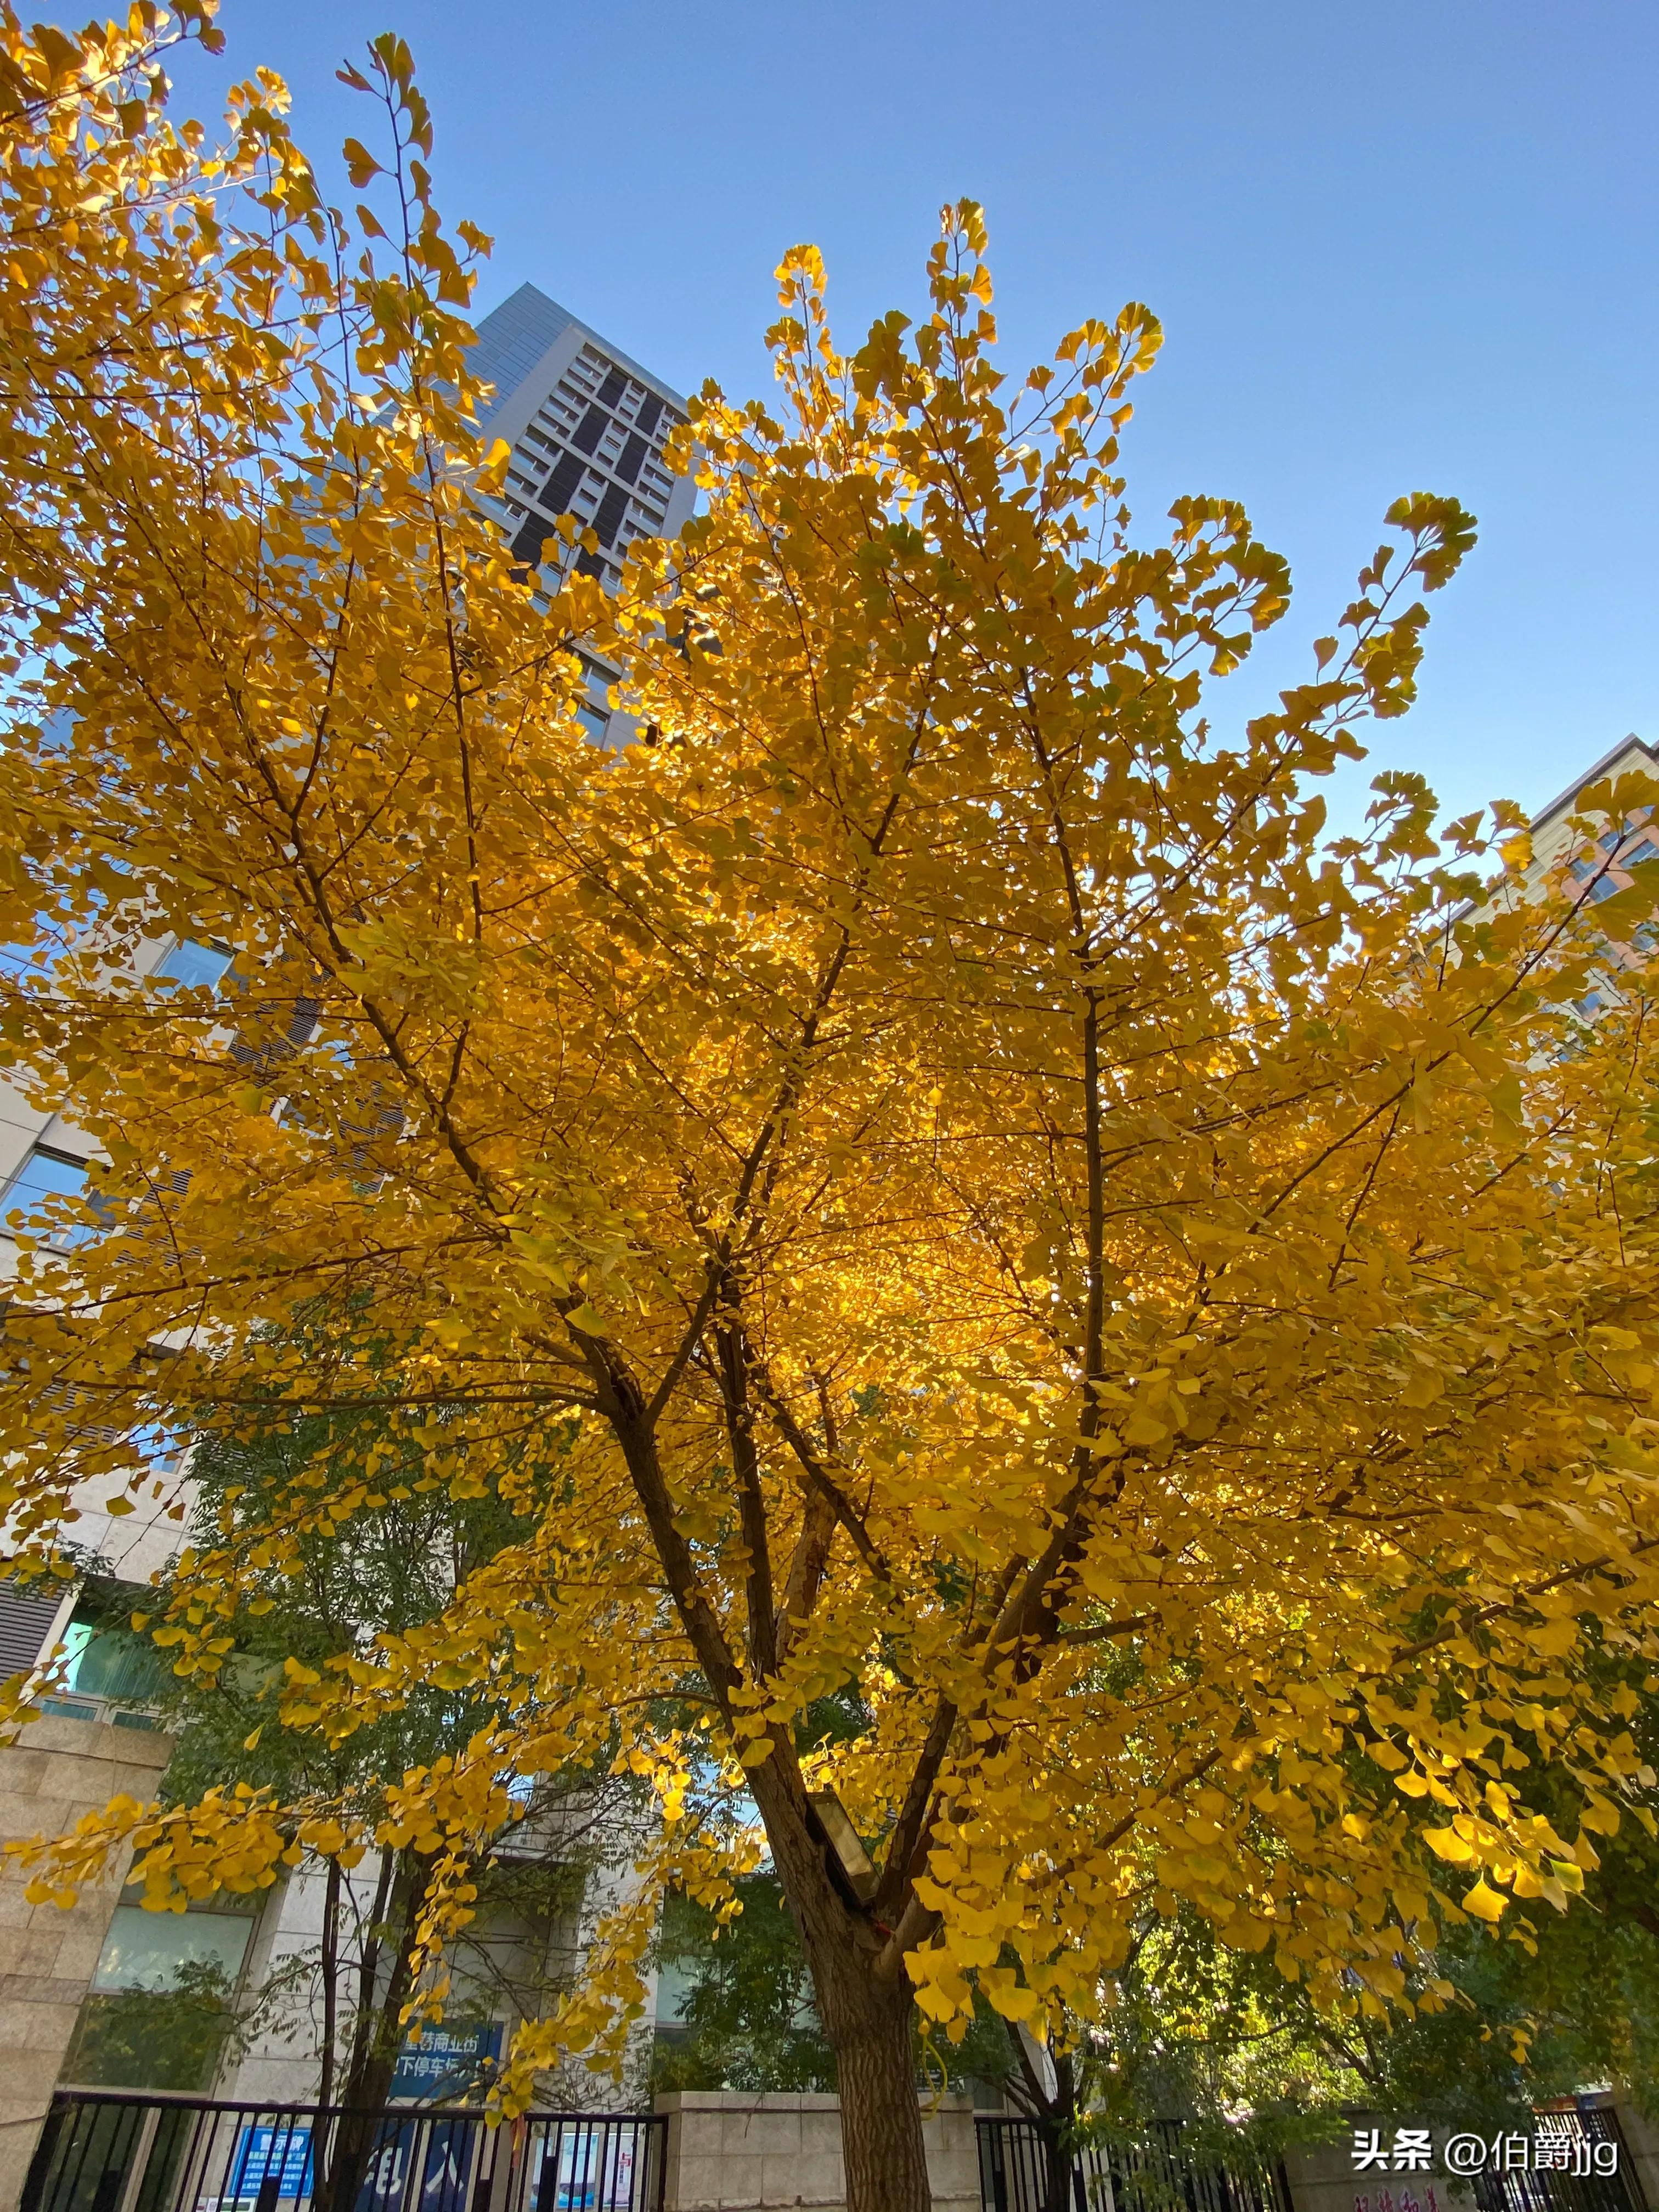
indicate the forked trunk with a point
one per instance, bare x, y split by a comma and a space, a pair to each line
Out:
868, 2015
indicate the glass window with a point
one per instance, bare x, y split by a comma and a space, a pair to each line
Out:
196, 967
595, 722
104, 1656
145, 1950
46, 1175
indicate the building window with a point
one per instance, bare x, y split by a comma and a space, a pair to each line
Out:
160, 2001
192, 966
589, 431
564, 482
45, 1176
607, 520
104, 1655
527, 545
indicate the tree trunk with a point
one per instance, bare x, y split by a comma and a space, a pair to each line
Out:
863, 1994
377, 2036
1058, 2126
880, 2116
330, 1982
867, 2017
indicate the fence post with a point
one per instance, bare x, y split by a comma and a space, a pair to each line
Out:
140, 2152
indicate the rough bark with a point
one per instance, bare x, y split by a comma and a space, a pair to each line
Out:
867, 2011
882, 2146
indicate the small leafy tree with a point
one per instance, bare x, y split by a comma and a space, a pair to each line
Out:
747, 2017
393, 1577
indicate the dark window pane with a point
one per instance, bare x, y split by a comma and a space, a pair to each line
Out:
589, 564
558, 494
649, 414
613, 387
608, 521
589, 431
527, 545
633, 453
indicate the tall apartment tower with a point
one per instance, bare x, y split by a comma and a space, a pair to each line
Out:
586, 425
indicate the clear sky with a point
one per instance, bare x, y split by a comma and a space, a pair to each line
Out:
1397, 248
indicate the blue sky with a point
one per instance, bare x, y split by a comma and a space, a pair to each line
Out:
1402, 248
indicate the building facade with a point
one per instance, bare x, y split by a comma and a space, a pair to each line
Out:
588, 427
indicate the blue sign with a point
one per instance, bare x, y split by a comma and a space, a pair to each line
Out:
442, 2151
282, 2154
446, 2061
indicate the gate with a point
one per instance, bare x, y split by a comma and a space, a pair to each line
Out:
1155, 2174
107, 2152
1572, 2183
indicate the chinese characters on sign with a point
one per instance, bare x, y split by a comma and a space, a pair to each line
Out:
1406, 2202
444, 2061
1550, 2150
1411, 2151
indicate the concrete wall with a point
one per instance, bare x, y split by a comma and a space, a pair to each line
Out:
1323, 2178
57, 1771
1641, 2150
737, 2152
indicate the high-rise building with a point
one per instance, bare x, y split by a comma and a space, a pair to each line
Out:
586, 425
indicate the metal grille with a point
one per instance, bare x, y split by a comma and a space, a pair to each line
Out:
109, 2153
1154, 2174
1569, 2191
26, 1618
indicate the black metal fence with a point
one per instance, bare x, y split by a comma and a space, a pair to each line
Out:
106, 2152
1155, 2174
1578, 2179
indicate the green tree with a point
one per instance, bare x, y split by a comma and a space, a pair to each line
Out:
749, 2021
393, 1576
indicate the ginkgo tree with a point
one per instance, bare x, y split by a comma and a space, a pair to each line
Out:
1148, 1304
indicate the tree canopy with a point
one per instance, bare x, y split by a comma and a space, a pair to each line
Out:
1024, 1225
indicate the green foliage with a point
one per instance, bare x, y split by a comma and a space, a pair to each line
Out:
750, 2020
143, 2039
397, 1568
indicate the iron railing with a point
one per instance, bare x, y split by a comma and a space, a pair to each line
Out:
1155, 2174
1013, 2170
105, 2151
1575, 2186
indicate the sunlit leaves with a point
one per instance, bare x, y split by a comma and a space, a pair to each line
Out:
1109, 1329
